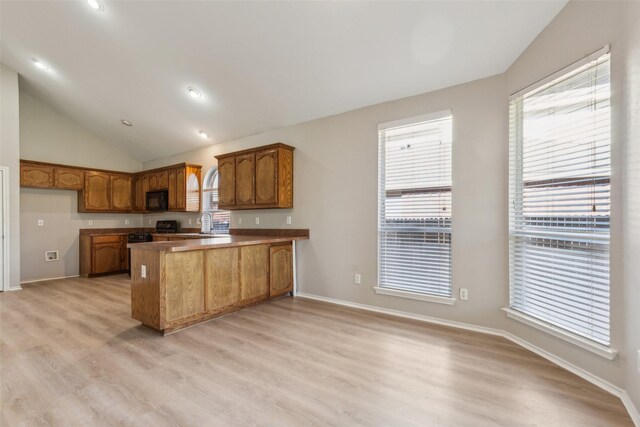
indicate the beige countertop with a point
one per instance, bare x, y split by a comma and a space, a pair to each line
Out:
219, 241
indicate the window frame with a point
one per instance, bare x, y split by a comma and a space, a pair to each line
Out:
213, 177
515, 180
386, 290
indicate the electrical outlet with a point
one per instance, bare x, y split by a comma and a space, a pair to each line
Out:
240, 221
150, 221
189, 221
257, 220
289, 220
126, 222
143, 271
90, 222
41, 223
464, 294
51, 256
357, 279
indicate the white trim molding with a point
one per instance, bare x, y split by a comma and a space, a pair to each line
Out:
599, 349
633, 411
414, 295
49, 278
4, 229
404, 314
588, 376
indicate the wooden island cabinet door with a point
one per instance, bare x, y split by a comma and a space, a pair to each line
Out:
222, 277
281, 277
245, 184
254, 272
183, 274
267, 177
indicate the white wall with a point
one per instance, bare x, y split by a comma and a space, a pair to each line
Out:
335, 196
10, 156
630, 71
48, 136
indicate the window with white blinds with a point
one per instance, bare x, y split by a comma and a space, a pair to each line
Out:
414, 202
560, 169
221, 219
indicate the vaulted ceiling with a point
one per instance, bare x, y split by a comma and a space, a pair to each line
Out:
258, 65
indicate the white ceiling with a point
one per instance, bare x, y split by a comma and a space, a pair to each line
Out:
260, 65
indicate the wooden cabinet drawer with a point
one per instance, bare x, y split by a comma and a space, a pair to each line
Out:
107, 239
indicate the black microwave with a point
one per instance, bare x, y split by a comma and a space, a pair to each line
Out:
157, 200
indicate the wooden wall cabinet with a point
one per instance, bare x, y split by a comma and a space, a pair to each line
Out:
121, 193
68, 178
103, 254
96, 196
45, 175
118, 192
258, 178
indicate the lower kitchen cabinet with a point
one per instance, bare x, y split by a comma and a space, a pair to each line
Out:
103, 254
281, 277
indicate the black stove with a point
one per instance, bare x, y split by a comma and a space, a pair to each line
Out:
140, 236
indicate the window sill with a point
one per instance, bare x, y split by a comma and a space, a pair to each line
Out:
599, 349
414, 295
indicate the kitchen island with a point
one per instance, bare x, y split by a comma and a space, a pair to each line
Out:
175, 284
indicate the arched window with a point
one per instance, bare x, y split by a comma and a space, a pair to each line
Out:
221, 219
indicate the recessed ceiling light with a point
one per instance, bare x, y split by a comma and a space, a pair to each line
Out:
41, 65
96, 4
126, 122
194, 93
203, 134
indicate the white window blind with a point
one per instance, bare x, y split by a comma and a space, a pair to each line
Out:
221, 219
559, 194
414, 202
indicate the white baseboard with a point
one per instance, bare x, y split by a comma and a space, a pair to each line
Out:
404, 314
633, 411
50, 278
593, 379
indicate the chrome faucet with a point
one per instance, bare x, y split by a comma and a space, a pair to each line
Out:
203, 229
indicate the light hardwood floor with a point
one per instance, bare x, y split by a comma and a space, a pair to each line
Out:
71, 355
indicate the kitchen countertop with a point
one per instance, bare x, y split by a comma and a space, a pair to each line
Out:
219, 241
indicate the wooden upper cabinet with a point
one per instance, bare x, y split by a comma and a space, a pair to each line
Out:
227, 182
36, 175
68, 178
245, 183
121, 186
159, 180
110, 191
97, 192
267, 177
173, 187
258, 178
181, 189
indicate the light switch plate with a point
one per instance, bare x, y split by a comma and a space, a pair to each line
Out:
257, 220
126, 222
357, 278
289, 220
